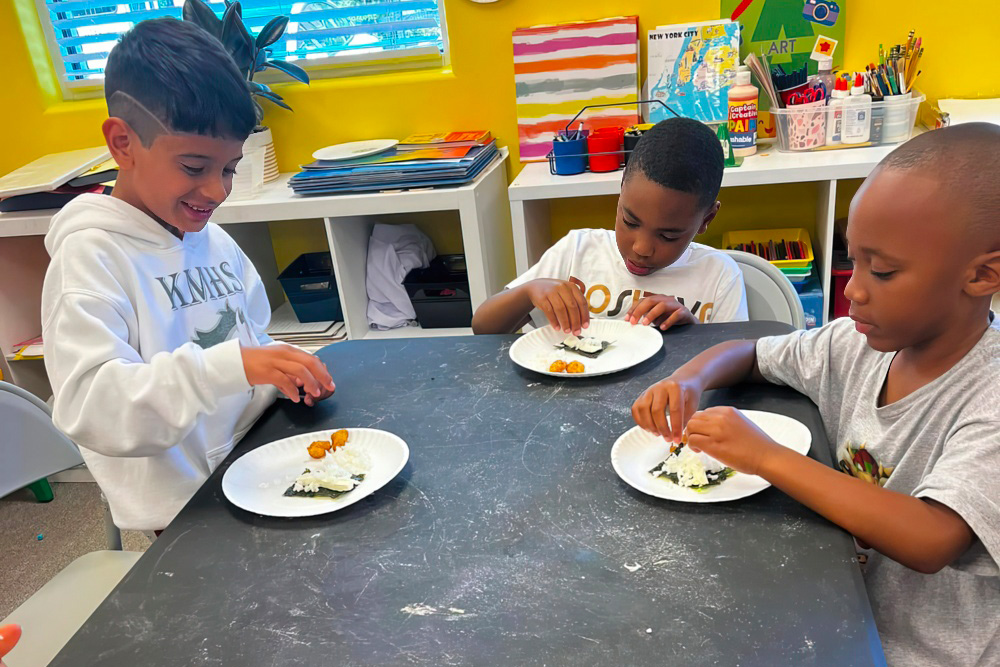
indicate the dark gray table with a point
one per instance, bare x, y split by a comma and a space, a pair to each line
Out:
510, 523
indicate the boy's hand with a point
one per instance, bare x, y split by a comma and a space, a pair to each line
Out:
562, 302
288, 368
725, 434
678, 395
659, 310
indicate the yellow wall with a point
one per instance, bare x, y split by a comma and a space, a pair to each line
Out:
478, 89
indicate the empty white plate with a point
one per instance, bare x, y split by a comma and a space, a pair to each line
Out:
638, 451
633, 344
257, 480
354, 149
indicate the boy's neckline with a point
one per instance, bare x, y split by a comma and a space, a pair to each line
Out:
908, 382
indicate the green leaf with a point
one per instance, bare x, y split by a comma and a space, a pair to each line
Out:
291, 69
258, 110
201, 14
271, 32
274, 97
259, 87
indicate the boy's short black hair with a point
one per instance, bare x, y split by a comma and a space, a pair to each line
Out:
680, 154
181, 76
966, 159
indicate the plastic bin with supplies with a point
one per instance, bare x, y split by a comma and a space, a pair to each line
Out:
311, 288
440, 293
804, 127
731, 241
811, 296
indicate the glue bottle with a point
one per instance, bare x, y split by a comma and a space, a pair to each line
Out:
743, 114
857, 125
835, 112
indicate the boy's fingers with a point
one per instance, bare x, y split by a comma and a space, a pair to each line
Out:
572, 310
641, 412
302, 374
562, 316
654, 313
285, 385
549, 315
674, 318
661, 399
581, 302
320, 372
676, 415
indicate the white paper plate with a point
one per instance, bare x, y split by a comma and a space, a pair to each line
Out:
637, 452
354, 149
633, 344
256, 481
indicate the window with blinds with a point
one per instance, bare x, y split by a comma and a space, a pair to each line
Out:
320, 32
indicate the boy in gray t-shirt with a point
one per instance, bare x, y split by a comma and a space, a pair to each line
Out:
908, 392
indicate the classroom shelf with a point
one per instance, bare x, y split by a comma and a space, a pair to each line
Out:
417, 332
535, 187
481, 206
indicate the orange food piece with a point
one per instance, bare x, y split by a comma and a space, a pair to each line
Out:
574, 367
317, 451
558, 367
325, 444
339, 438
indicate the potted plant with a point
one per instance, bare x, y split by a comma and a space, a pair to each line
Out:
252, 56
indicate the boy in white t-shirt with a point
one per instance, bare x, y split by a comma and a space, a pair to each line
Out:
647, 271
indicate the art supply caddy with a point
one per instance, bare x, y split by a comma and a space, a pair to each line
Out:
876, 107
600, 150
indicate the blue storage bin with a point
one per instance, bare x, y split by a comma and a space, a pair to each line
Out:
311, 288
811, 296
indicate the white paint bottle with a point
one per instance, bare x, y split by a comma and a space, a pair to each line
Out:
857, 125
835, 112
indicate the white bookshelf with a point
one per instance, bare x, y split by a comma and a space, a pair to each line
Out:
535, 187
481, 206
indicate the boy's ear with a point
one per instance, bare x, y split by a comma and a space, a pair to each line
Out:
121, 141
985, 275
709, 217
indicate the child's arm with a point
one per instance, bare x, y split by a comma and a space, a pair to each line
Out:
724, 365
110, 401
561, 301
923, 535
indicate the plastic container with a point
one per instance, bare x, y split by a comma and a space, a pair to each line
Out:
311, 288
631, 139
798, 277
841, 304
811, 297
903, 114
733, 239
604, 148
570, 156
743, 114
824, 73
440, 293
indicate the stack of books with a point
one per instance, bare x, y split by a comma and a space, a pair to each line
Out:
53, 180
445, 140
310, 336
410, 165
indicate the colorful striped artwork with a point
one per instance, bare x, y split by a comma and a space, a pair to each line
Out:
559, 69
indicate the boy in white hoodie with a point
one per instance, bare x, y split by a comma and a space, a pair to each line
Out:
153, 318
